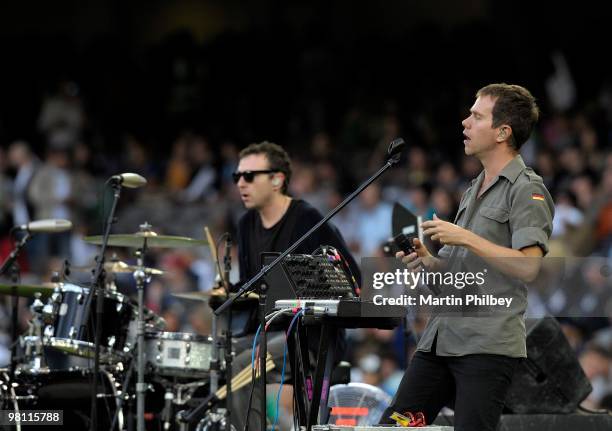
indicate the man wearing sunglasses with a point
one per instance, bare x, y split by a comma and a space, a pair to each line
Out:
273, 222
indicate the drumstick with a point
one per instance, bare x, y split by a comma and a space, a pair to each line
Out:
211, 243
243, 378
240, 383
213, 253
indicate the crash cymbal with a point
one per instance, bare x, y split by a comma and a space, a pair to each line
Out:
138, 239
212, 294
119, 267
28, 290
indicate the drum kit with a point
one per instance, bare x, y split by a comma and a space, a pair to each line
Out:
143, 369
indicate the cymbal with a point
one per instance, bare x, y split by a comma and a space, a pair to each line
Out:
212, 294
28, 290
152, 239
119, 267
122, 267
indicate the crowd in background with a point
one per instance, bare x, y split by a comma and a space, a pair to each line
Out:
191, 187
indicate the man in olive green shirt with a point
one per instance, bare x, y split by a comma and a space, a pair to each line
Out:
505, 219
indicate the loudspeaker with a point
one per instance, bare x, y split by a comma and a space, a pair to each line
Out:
551, 379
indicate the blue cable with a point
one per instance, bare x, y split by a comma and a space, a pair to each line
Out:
280, 389
254, 347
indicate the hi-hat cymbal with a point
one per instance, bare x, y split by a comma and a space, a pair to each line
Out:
122, 267
119, 267
138, 239
28, 290
212, 294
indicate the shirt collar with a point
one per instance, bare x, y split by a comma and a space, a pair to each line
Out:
513, 169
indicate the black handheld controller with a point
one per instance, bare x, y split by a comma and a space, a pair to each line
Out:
404, 243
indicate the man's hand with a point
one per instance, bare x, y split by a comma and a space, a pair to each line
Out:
445, 232
420, 256
525, 268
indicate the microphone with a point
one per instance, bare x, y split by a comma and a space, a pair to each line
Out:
395, 148
48, 226
129, 180
227, 260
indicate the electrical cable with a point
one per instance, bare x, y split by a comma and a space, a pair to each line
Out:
280, 389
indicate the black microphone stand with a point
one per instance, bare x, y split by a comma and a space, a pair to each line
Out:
394, 154
10, 264
227, 267
97, 288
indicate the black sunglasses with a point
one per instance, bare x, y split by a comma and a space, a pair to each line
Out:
249, 176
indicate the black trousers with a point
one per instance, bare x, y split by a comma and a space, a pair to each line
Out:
475, 386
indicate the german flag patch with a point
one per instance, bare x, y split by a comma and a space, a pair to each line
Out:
537, 196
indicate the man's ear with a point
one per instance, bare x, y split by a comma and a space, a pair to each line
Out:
504, 133
278, 179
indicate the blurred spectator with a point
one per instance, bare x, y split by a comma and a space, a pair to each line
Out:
5, 194
418, 172
305, 186
371, 219
545, 167
135, 157
446, 176
23, 161
201, 186
229, 163
62, 117
566, 214
572, 161
178, 170
443, 204
596, 361
51, 187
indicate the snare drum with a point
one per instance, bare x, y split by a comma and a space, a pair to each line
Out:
153, 324
178, 354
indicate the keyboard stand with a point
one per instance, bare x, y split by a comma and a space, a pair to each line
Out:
311, 390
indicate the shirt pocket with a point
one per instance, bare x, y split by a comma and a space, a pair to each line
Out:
500, 215
494, 225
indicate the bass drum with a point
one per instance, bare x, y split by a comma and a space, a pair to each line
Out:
66, 391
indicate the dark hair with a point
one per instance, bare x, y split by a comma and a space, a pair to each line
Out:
278, 159
515, 106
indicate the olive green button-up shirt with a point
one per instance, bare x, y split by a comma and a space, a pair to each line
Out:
514, 211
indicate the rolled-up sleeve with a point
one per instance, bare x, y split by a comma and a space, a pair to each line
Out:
531, 216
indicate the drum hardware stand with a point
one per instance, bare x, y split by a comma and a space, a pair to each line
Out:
227, 267
35, 332
184, 417
97, 288
214, 358
167, 414
263, 354
228, 371
141, 277
11, 267
184, 393
125, 396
